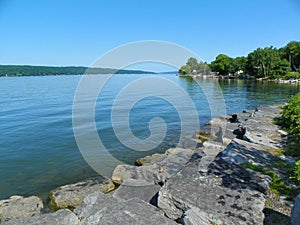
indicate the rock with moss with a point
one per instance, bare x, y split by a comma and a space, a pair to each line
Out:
71, 195
18, 207
149, 159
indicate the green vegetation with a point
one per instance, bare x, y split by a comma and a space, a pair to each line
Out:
16, 70
266, 62
296, 172
277, 185
287, 181
193, 66
290, 118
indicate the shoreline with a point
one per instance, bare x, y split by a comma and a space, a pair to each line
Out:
155, 172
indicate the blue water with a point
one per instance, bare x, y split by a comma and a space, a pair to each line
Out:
38, 151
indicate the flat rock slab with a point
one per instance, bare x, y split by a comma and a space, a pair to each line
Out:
95, 202
227, 194
70, 196
61, 217
239, 151
138, 189
18, 207
157, 171
133, 211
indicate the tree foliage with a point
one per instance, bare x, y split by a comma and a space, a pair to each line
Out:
264, 62
223, 64
292, 54
290, 118
268, 62
193, 66
16, 70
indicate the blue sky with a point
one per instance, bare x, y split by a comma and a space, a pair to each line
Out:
76, 32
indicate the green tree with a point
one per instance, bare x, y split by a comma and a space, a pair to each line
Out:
292, 54
203, 68
185, 70
223, 64
193, 63
263, 62
239, 63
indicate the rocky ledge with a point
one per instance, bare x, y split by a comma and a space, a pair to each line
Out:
203, 182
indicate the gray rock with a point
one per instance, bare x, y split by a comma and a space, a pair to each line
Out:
239, 151
138, 189
160, 170
295, 215
133, 211
211, 150
195, 216
18, 207
61, 217
288, 159
70, 196
149, 159
123, 172
191, 143
95, 202
226, 194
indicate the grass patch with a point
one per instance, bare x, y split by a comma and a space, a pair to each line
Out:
202, 135
253, 167
277, 185
276, 152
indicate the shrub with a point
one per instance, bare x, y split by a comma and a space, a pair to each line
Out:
292, 75
290, 119
296, 172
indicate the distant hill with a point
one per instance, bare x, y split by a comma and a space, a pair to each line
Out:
25, 70
169, 72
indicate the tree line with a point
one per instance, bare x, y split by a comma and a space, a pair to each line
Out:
19, 70
268, 62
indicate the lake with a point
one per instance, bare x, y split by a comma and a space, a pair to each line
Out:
38, 150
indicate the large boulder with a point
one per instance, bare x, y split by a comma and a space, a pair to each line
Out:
71, 195
123, 172
239, 151
295, 215
95, 202
226, 194
18, 207
61, 217
131, 188
157, 171
132, 211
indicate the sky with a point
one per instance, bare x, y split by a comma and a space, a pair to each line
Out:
76, 32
